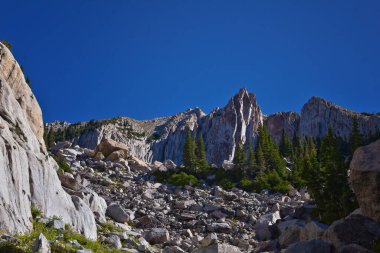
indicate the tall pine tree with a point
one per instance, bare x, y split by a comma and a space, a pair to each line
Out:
251, 161
335, 199
355, 138
188, 153
202, 163
239, 156
286, 147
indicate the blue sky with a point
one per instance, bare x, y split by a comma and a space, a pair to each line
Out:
99, 59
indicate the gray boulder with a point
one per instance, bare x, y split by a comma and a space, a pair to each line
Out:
218, 248
157, 235
117, 213
114, 240
312, 246
355, 229
41, 245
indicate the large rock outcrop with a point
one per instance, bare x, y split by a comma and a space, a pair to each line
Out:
28, 174
317, 115
223, 129
365, 179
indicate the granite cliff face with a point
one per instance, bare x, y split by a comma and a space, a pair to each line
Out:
28, 174
317, 115
222, 129
162, 138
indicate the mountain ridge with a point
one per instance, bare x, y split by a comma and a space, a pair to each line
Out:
223, 128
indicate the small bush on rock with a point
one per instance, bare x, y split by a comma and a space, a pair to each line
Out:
63, 165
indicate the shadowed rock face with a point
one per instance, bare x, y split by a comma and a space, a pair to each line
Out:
28, 174
282, 121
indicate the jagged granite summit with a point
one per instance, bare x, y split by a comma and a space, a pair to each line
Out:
222, 129
28, 173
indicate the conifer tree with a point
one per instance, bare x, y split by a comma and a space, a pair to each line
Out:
239, 156
286, 146
50, 138
201, 154
335, 199
188, 154
251, 161
260, 159
356, 138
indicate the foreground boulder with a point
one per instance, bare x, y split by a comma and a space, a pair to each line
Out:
157, 235
108, 146
41, 245
356, 229
218, 248
312, 246
365, 179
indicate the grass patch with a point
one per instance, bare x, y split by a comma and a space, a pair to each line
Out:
59, 240
109, 227
62, 164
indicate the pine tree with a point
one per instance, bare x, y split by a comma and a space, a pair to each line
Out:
286, 147
356, 138
260, 159
239, 156
251, 161
201, 154
50, 138
335, 199
188, 154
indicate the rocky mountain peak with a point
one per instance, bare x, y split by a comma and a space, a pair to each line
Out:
318, 114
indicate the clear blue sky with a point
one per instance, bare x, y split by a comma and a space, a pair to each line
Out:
98, 59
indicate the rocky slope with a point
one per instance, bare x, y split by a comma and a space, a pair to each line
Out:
222, 129
28, 173
156, 217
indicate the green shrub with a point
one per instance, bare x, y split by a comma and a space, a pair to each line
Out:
226, 184
246, 184
182, 179
272, 181
7, 44
35, 211
109, 227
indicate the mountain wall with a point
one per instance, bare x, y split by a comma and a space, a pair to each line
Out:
28, 173
223, 128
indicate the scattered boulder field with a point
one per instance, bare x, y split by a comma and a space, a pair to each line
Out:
156, 217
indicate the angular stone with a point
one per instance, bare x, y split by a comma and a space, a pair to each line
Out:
114, 240
219, 227
41, 245
313, 246
117, 213
218, 248
157, 235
